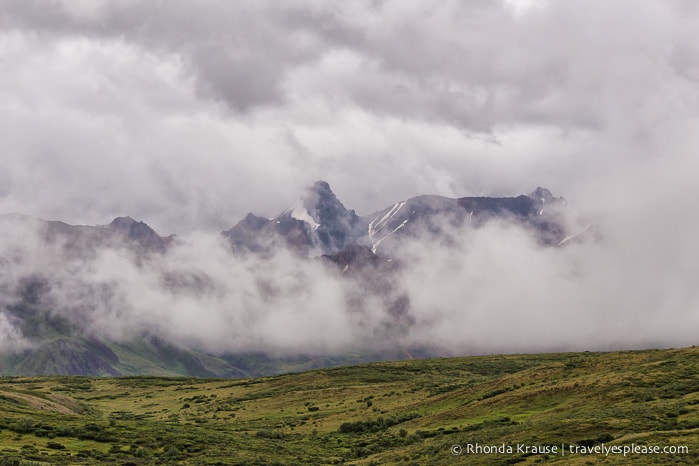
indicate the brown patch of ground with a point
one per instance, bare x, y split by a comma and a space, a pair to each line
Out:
58, 404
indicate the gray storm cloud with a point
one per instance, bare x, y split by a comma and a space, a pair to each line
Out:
188, 114
191, 114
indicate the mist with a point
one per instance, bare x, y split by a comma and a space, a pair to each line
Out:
491, 289
190, 116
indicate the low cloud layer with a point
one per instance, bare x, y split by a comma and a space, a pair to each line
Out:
488, 289
190, 114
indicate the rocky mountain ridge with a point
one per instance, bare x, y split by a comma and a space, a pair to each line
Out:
321, 224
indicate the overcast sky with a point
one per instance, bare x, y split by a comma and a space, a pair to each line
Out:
189, 114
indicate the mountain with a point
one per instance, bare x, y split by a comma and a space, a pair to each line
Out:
321, 224
131, 231
49, 309
61, 347
80, 240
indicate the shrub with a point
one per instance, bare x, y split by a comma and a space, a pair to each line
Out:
65, 431
91, 426
25, 425
172, 453
269, 434
374, 426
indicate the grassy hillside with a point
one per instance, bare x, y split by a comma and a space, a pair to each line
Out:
406, 413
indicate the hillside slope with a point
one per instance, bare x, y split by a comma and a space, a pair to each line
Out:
408, 412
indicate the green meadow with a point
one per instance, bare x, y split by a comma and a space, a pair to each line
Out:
404, 413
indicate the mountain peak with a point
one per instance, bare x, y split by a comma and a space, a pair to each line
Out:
139, 232
334, 225
542, 195
320, 200
122, 221
319, 193
322, 186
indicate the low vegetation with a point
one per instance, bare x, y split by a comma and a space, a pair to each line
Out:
405, 413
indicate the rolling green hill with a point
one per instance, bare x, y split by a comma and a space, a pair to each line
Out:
406, 413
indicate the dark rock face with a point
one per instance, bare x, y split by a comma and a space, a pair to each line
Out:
321, 223
139, 233
260, 235
337, 226
355, 256
247, 234
543, 196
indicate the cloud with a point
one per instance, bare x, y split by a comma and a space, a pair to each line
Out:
504, 293
198, 294
202, 107
472, 290
190, 114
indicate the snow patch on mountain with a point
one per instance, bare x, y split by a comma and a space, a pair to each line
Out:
375, 245
300, 213
575, 235
377, 224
